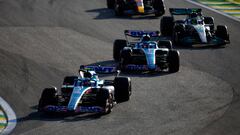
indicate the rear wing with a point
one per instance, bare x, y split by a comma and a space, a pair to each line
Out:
140, 33
184, 11
100, 69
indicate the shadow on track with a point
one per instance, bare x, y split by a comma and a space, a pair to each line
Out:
182, 47
128, 73
186, 47
105, 13
58, 117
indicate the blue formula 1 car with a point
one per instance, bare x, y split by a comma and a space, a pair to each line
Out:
132, 7
85, 93
145, 52
194, 29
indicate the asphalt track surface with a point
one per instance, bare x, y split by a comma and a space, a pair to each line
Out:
41, 41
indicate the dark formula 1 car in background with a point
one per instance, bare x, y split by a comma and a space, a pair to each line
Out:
194, 29
146, 52
86, 94
132, 7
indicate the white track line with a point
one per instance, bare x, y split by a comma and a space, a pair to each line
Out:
209, 8
11, 117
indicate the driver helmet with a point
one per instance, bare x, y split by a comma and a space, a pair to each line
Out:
87, 75
193, 15
146, 37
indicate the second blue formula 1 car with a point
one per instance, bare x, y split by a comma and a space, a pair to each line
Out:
194, 29
85, 93
145, 52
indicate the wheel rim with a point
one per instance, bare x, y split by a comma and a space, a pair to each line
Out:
109, 104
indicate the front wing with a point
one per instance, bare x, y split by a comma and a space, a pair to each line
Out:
188, 40
132, 67
79, 109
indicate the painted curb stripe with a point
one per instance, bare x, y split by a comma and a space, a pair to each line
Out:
2, 118
228, 7
3, 125
11, 117
214, 10
3, 121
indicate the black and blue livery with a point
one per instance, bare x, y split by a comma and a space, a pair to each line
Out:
86, 93
145, 52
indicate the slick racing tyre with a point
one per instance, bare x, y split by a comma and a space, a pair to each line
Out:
125, 59
123, 89
105, 100
159, 7
222, 32
166, 26
165, 43
110, 4
173, 60
119, 8
178, 34
48, 97
117, 48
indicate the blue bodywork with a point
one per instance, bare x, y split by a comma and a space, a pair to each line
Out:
81, 85
148, 47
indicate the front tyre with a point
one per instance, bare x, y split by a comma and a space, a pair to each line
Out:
117, 48
123, 89
178, 34
48, 97
173, 61
105, 100
222, 33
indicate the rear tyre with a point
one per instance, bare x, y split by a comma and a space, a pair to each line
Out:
165, 43
174, 61
123, 89
222, 32
105, 100
178, 34
166, 26
119, 8
117, 48
159, 7
110, 4
48, 97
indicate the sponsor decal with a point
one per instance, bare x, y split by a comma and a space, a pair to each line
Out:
52, 108
89, 109
140, 68
102, 69
136, 67
136, 33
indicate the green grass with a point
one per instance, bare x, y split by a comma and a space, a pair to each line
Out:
237, 1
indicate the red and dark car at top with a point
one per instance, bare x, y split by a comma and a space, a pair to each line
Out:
135, 7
